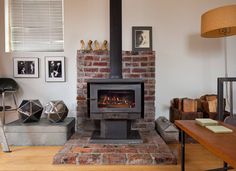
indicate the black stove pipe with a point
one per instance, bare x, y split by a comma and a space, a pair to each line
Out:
116, 39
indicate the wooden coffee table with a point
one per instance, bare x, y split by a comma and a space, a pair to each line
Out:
222, 145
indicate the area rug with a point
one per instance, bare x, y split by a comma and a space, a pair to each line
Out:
78, 150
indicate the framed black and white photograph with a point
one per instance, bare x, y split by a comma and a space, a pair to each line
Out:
142, 38
26, 67
55, 69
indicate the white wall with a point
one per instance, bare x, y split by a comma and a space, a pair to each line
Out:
187, 65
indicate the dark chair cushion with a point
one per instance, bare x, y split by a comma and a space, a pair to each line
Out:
8, 84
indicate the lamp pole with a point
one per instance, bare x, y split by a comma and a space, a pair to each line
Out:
229, 87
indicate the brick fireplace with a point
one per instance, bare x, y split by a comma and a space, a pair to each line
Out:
96, 65
79, 149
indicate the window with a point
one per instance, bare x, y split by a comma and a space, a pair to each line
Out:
34, 25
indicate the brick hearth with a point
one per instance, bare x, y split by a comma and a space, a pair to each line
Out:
79, 151
96, 64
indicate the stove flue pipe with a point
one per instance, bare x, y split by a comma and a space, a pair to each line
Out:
116, 39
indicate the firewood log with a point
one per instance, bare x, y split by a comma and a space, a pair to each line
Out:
189, 105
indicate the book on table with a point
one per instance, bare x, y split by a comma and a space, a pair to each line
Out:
219, 129
206, 121
212, 125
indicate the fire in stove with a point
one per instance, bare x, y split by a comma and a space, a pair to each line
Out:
116, 99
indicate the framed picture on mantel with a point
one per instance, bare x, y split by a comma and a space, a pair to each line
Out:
142, 38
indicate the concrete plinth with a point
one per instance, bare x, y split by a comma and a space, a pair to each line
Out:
42, 133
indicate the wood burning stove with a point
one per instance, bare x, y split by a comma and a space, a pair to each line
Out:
115, 102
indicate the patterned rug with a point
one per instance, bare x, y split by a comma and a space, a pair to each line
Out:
79, 151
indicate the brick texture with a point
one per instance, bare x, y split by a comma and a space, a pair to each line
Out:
78, 150
96, 64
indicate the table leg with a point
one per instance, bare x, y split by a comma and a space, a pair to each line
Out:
225, 166
182, 138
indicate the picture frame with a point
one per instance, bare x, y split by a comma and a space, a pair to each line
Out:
26, 67
55, 69
142, 38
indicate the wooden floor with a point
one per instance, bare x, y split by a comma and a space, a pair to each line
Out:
40, 158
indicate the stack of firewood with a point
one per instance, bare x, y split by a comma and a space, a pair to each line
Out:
185, 109
185, 104
209, 103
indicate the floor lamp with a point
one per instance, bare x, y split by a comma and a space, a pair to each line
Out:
216, 23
